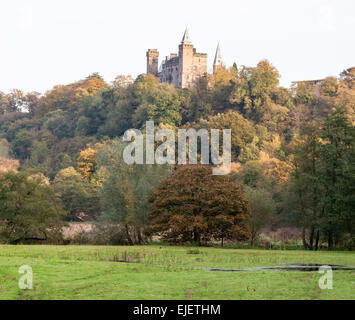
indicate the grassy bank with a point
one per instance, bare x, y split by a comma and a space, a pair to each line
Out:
92, 272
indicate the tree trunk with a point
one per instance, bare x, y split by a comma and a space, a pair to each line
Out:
311, 238
252, 239
305, 244
330, 240
197, 237
317, 241
140, 238
128, 235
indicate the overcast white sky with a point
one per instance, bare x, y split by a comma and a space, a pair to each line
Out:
49, 42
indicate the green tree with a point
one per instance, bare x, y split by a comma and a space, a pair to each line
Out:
40, 158
323, 181
82, 126
337, 175
21, 145
305, 184
80, 198
29, 208
125, 191
159, 102
243, 131
262, 207
254, 87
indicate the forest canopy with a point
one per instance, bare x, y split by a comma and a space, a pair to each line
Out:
292, 152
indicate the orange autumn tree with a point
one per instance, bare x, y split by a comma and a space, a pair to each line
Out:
264, 172
275, 169
9, 165
193, 205
65, 97
87, 162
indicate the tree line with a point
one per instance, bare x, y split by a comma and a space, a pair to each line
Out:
292, 153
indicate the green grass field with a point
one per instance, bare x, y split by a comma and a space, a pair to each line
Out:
90, 272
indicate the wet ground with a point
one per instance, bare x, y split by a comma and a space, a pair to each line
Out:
290, 267
283, 267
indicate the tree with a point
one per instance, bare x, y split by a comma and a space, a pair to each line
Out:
243, 131
306, 186
21, 145
80, 198
195, 206
126, 189
262, 208
119, 118
197, 101
62, 131
254, 87
349, 77
122, 81
54, 120
330, 86
264, 173
65, 97
29, 208
82, 126
159, 102
323, 181
4, 148
8, 165
221, 88
337, 175
39, 158
12, 102
87, 161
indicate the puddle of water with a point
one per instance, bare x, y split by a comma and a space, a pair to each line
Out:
284, 267
289, 267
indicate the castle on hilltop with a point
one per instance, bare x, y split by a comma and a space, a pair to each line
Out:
184, 68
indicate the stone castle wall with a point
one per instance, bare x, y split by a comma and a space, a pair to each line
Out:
170, 71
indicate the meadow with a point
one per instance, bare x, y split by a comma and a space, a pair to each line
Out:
94, 272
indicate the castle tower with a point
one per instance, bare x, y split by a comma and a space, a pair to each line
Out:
152, 61
186, 57
182, 69
218, 63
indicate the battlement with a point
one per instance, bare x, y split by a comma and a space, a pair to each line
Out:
202, 55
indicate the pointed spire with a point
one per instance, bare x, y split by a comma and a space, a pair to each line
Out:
218, 57
186, 38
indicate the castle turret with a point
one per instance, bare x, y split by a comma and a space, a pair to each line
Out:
152, 61
186, 53
218, 63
